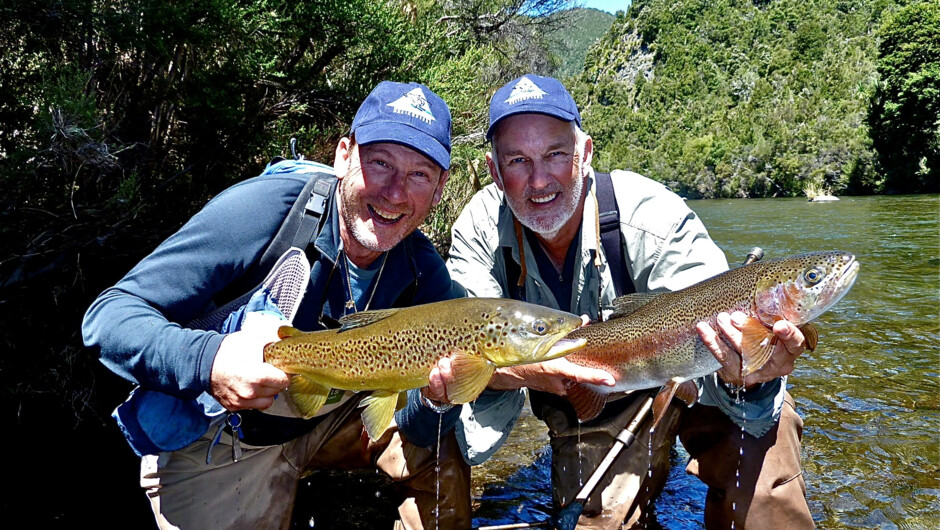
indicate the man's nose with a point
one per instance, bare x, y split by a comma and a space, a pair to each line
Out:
395, 189
540, 176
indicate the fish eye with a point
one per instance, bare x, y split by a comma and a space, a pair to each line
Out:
539, 326
813, 275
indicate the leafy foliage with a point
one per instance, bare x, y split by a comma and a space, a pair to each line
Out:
570, 43
905, 108
736, 99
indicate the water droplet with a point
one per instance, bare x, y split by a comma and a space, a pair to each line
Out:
311, 523
378, 494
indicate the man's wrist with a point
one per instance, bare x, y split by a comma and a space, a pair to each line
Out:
437, 406
742, 392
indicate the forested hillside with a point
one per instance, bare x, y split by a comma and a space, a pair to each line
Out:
734, 98
571, 42
118, 120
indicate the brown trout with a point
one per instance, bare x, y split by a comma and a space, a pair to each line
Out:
650, 339
391, 351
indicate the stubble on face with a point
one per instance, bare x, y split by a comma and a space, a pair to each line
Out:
376, 220
547, 223
548, 208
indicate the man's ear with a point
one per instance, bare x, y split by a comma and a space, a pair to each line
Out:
587, 154
491, 164
439, 191
342, 157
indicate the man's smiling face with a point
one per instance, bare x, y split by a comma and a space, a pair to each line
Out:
386, 192
539, 169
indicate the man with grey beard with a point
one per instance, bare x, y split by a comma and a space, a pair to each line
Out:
533, 234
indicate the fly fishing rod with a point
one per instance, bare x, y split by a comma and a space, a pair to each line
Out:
568, 517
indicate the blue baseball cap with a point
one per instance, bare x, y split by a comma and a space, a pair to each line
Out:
408, 114
532, 94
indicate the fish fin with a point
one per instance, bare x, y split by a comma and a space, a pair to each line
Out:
308, 396
587, 402
811, 336
629, 303
662, 401
402, 401
286, 331
364, 318
379, 412
757, 343
471, 375
687, 392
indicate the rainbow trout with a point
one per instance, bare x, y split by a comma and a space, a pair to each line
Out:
650, 339
393, 350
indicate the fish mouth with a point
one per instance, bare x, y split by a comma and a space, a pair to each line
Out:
848, 279
845, 283
836, 290
563, 347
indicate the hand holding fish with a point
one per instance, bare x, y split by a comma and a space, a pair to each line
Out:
549, 376
240, 378
791, 344
437, 381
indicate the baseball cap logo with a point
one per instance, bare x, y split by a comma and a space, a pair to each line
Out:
414, 104
525, 89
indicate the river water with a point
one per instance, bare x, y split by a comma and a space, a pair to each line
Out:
869, 396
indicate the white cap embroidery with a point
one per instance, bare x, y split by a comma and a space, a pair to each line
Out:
414, 104
525, 89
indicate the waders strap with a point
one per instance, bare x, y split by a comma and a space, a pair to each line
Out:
609, 221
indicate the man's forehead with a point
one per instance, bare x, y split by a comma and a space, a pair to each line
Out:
532, 126
414, 156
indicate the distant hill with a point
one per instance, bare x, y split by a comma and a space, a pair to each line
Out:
571, 44
723, 98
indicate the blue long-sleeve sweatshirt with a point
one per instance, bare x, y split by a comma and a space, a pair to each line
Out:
139, 325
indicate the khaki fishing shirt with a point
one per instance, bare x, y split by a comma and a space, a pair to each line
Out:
666, 247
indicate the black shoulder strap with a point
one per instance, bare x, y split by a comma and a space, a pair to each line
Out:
516, 291
302, 223
298, 229
609, 217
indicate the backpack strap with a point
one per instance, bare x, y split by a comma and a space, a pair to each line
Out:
609, 218
305, 218
513, 271
298, 229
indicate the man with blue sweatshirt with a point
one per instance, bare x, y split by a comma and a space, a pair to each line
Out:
210, 457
